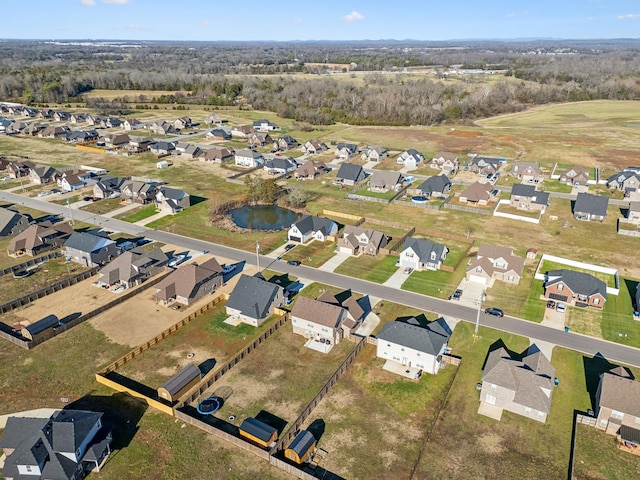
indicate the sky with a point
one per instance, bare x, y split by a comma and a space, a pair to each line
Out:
283, 20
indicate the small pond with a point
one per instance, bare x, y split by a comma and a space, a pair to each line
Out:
263, 217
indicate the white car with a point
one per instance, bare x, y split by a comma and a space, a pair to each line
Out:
228, 269
560, 307
177, 260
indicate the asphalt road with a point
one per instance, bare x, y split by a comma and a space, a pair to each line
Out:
587, 345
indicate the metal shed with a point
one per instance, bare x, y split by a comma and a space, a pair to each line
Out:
38, 328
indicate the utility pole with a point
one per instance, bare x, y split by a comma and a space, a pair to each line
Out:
258, 256
70, 212
475, 333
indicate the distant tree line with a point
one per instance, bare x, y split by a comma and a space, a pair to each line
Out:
222, 75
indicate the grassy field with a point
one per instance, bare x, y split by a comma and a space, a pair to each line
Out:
312, 254
597, 456
140, 214
439, 284
376, 269
522, 300
103, 206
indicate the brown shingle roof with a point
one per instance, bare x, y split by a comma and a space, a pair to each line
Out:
619, 393
318, 312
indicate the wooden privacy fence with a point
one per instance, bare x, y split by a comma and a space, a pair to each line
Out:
397, 245
212, 377
348, 216
295, 426
43, 292
33, 261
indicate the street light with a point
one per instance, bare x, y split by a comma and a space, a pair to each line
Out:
258, 256
475, 333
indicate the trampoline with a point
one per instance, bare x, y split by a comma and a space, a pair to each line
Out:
210, 405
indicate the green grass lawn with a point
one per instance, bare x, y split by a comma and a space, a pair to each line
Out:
439, 284
516, 211
522, 300
103, 206
555, 186
597, 456
312, 254
376, 269
140, 214
364, 191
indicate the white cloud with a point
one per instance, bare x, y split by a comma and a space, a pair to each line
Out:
131, 26
353, 16
629, 16
116, 2
204, 23
297, 21
88, 3
511, 15
591, 19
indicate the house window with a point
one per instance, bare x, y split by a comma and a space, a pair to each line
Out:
596, 301
560, 287
408, 255
478, 269
491, 400
540, 414
617, 415
637, 419
527, 411
433, 255
28, 467
603, 422
418, 354
511, 278
494, 387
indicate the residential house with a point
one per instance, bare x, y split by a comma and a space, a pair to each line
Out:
484, 165
139, 144
116, 140
528, 172
29, 112
70, 182
479, 193
618, 407
319, 322
249, 158
139, 192
131, 124
45, 113
350, 174
37, 239
78, 118
259, 139
93, 120
438, 186
172, 200
310, 227
264, 126
410, 158
345, 151
10, 127
82, 136
280, 165
254, 299
521, 386
241, 131
376, 154
493, 262
61, 116
422, 254
133, 267
163, 128
188, 150
356, 240
32, 130
182, 123
409, 346
12, 222
90, 250
108, 186
446, 162
111, 122
162, 148
633, 214
285, 142
384, 180
218, 155
214, 119
42, 174
314, 147
19, 169
54, 131
627, 181
589, 207
310, 169
575, 176
66, 446
189, 283
219, 134
575, 288
526, 197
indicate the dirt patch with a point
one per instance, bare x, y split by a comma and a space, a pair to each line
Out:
491, 443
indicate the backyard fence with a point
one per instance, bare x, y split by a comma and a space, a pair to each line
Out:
512, 216
425, 205
348, 216
297, 424
43, 292
463, 208
397, 245
234, 178
623, 231
33, 261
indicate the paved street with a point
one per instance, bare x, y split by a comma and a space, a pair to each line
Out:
590, 346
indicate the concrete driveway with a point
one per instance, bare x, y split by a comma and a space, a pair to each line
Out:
553, 318
471, 292
397, 279
334, 262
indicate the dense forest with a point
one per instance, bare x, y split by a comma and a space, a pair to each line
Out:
505, 76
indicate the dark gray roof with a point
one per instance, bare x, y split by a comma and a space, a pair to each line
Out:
630, 434
161, 145
69, 428
495, 162
253, 296
350, 171
281, 163
623, 176
593, 204
423, 248
352, 147
42, 324
257, 429
302, 443
180, 379
537, 196
429, 339
578, 282
310, 223
86, 242
172, 193
438, 183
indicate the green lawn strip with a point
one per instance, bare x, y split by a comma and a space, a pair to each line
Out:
364, 191
508, 209
439, 284
312, 254
315, 289
556, 186
485, 448
103, 206
144, 212
9, 184
597, 456
68, 200
522, 300
376, 269
548, 265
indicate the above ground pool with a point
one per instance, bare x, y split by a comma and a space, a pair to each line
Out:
419, 199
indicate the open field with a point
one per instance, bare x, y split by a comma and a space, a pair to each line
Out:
312, 254
597, 456
103, 206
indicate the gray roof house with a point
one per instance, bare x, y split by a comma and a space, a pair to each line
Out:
627, 181
484, 165
384, 180
139, 192
519, 386
312, 227
408, 346
12, 223
376, 154
90, 250
108, 186
249, 158
355, 240
575, 288
590, 207
346, 150
410, 158
162, 148
189, 283
254, 299
437, 186
280, 165
350, 174
526, 197
422, 254
172, 200
64, 447
133, 267
263, 125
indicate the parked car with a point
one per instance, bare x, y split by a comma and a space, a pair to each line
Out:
551, 304
288, 247
228, 269
560, 307
456, 295
295, 263
408, 270
496, 312
87, 199
44, 194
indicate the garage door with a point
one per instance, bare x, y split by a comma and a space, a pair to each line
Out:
295, 239
345, 250
557, 296
478, 279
